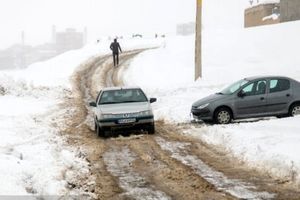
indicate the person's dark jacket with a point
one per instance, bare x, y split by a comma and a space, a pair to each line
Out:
115, 47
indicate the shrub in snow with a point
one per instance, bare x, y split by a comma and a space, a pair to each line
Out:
2, 90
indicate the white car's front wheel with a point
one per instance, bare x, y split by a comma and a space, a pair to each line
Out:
151, 129
100, 131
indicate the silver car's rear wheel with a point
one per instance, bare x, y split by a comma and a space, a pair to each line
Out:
295, 110
223, 116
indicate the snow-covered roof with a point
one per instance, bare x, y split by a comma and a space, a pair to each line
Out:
258, 2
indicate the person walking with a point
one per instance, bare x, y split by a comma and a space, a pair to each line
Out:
115, 47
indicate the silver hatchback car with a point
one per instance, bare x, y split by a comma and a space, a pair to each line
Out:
122, 108
249, 98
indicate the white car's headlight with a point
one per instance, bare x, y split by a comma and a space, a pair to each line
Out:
146, 112
107, 116
203, 106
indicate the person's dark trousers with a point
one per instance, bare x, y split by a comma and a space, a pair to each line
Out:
116, 59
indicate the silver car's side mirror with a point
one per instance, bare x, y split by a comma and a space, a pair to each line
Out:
93, 104
152, 100
241, 94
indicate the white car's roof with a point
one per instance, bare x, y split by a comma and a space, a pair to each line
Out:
119, 88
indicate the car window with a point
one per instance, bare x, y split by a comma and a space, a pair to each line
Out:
248, 89
255, 88
278, 85
261, 87
234, 87
122, 96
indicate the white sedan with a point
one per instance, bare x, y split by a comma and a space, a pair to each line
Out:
122, 109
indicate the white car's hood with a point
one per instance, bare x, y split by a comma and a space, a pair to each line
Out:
125, 108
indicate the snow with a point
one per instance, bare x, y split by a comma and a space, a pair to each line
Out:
57, 71
34, 157
272, 17
269, 145
255, 2
230, 53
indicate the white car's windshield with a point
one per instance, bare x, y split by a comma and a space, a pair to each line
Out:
122, 96
234, 87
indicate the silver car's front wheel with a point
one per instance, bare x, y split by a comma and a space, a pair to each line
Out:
223, 116
295, 110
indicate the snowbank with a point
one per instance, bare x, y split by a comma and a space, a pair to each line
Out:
269, 145
33, 157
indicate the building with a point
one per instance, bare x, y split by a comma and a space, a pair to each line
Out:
289, 10
69, 40
22, 55
272, 12
262, 14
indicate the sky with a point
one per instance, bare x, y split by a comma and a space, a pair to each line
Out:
101, 17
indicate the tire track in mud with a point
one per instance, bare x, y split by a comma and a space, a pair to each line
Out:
140, 167
119, 163
99, 184
257, 182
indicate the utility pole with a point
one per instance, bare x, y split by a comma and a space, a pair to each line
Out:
198, 49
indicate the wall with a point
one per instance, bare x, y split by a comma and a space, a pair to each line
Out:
289, 10
254, 15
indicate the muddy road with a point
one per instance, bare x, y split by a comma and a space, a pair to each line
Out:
166, 165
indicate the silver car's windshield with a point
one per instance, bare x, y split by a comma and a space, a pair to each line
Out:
234, 87
122, 96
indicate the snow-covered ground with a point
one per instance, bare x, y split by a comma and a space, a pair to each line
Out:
33, 155
228, 55
34, 158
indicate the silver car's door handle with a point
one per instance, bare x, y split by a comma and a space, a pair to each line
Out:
288, 95
262, 98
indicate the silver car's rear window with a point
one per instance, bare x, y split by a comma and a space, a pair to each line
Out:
122, 96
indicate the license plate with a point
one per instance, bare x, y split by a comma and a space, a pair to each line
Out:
127, 121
